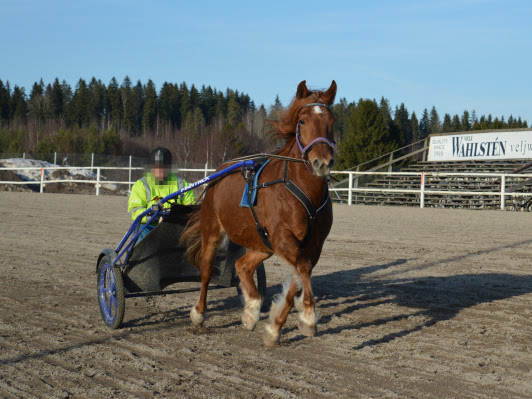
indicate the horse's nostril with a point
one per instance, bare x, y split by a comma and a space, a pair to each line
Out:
316, 163
331, 163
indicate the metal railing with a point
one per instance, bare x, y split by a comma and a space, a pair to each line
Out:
354, 189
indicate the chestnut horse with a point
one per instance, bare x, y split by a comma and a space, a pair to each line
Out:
293, 232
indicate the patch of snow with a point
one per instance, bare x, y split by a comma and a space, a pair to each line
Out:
35, 174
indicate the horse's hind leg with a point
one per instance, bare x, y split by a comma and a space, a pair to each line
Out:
210, 240
245, 267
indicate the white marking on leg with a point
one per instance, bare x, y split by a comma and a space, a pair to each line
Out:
197, 318
279, 299
309, 318
251, 315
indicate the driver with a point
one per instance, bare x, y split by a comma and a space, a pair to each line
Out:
159, 182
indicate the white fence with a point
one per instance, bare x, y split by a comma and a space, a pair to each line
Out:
98, 182
353, 186
352, 189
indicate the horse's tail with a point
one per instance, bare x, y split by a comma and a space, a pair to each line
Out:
192, 236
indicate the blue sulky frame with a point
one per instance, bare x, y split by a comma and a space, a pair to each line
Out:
111, 294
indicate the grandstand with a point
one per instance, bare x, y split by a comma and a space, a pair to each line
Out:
458, 176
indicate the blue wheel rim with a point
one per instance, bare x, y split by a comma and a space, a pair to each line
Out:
107, 288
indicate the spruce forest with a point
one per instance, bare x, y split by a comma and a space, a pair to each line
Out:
199, 125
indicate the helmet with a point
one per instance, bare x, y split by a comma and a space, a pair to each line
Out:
161, 156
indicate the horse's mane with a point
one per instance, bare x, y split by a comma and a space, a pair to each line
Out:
285, 128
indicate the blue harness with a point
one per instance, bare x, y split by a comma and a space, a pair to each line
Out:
245, 202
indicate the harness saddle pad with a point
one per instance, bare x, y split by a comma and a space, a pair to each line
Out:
245, 202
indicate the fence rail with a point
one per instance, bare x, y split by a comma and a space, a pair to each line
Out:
351, 189
98, 182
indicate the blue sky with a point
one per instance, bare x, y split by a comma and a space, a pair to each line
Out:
456, 55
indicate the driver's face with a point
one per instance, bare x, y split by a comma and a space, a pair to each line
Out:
160, 172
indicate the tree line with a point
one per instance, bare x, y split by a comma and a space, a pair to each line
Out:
199, 125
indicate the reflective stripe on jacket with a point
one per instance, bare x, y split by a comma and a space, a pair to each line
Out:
146, 192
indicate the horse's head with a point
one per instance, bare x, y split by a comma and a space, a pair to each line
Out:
314, 131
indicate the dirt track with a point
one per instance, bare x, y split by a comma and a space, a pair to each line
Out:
422, 303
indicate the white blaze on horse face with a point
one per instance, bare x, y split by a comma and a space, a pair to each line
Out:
317, 110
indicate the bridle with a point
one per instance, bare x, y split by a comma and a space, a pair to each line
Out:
319, 140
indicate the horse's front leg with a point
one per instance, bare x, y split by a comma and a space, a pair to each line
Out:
305, 303
288, 248
245, 267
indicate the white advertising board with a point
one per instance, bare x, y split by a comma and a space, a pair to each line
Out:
481, 146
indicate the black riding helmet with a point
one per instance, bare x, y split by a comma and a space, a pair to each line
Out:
161, 157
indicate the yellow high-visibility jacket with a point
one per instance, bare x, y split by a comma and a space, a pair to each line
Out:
146, 192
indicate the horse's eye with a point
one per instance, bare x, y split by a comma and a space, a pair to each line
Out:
301, 122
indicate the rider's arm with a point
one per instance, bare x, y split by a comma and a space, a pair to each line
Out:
137, 202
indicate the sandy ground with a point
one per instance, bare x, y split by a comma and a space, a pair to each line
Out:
417, 303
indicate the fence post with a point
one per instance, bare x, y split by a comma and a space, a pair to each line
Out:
206, 163
390, 166
350, 192
129, 185
422, 192
503, 191
42, 180
98, 181
23, 155
55, 158
92, 162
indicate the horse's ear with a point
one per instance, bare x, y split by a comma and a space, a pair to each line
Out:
329, 95
302, 90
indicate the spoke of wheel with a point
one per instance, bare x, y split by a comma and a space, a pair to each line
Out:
112, 299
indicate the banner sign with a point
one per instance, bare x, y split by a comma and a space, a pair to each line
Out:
481, 146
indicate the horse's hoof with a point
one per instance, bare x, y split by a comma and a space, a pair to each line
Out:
197, 318
306, 329
248, 321
270, 337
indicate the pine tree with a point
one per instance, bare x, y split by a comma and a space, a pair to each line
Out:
456, 124
416, 134
79, 106
447, 126
56, 100
435, 123
384, 108
149, 116
5, 98
368, 136
18, 105
402, 120
114, 105
465, 121
233, 110
275, 109
97, 100
424, 125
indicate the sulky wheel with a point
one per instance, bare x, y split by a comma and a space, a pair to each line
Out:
110, 293
260, 280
